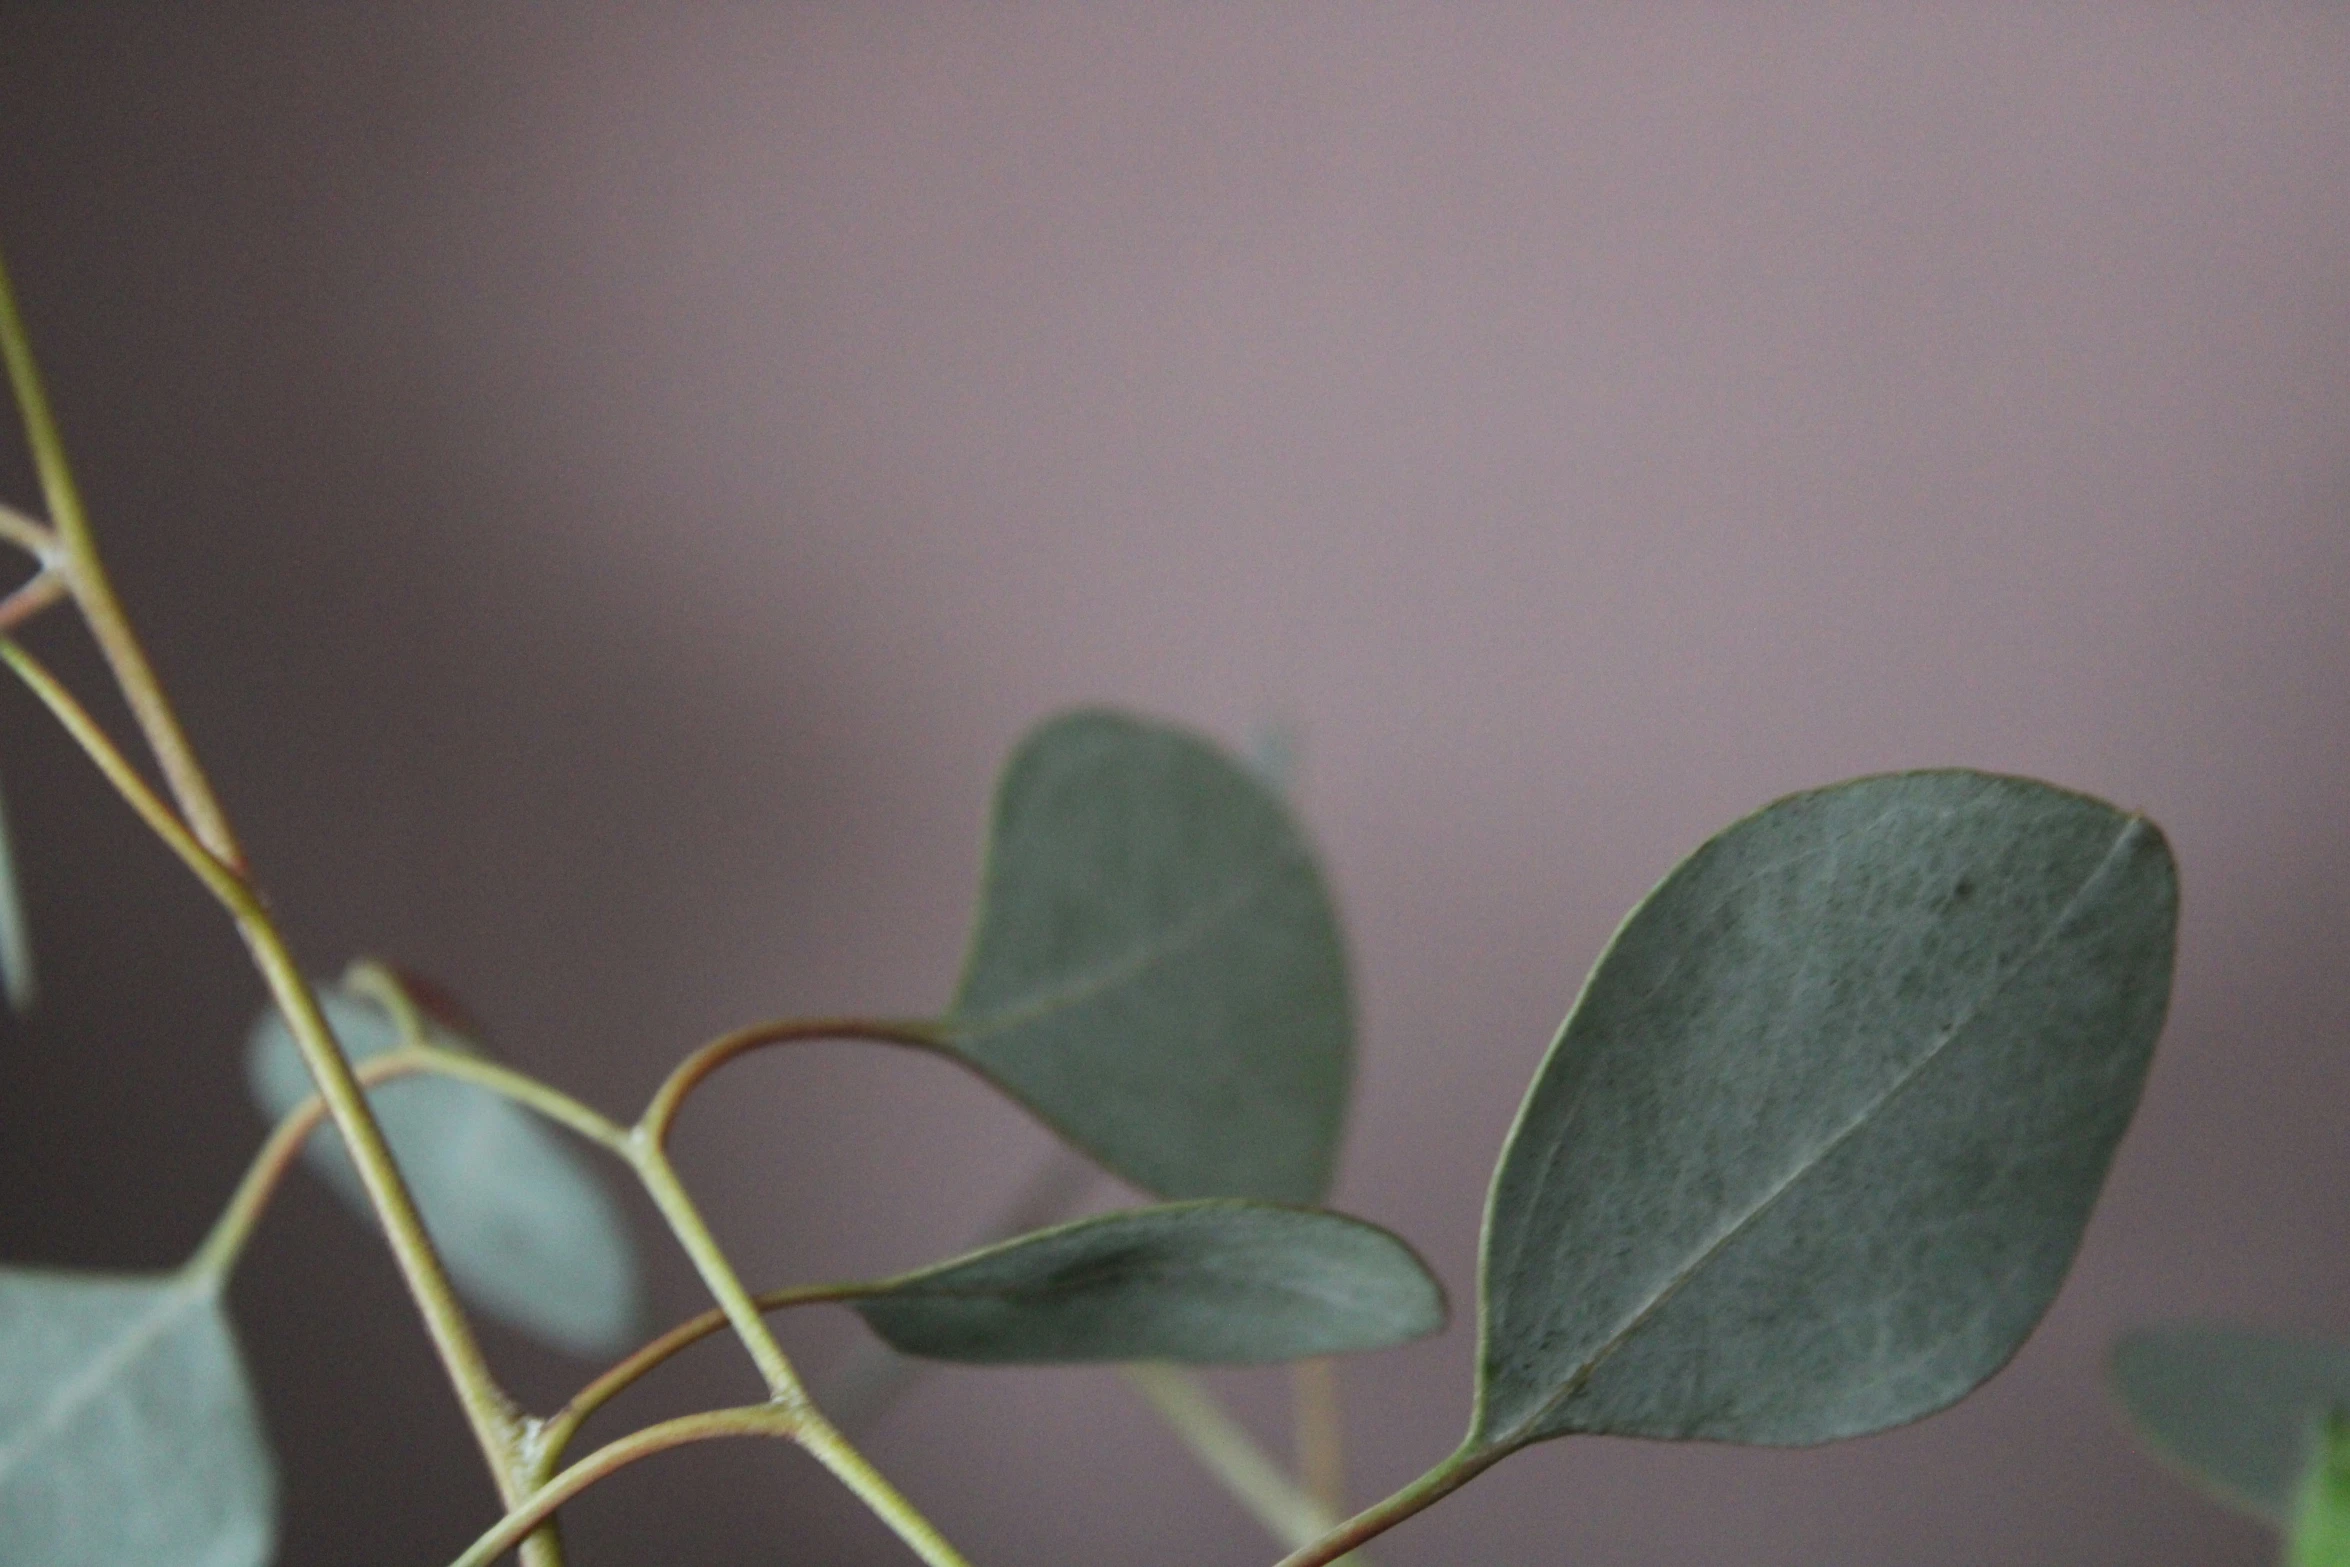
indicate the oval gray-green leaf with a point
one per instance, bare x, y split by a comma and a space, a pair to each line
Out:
2238, 1411
1815, 1147
1212, 1282
1156, 967
527, 1230
127, 1428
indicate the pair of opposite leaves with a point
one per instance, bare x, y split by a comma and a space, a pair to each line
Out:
1808, 1158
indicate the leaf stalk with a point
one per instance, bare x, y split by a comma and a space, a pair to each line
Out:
1464, 1465
1290, 1513
94, 591
661, 1113
538, 1508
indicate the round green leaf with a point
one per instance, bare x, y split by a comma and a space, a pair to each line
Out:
1217, 1281
1815, 1147
528, 1232
1156, 968
2238, 1411
127, 1429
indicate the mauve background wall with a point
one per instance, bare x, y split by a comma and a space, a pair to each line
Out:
607, 485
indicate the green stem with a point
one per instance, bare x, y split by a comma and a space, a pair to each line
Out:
690, 1073
557, 1432
222, 881
217, 1257
868, 1485
1291, 1514
234, 1228
93, 590
487, 1409
1464, 1465
1320, 1421
220, 864
379, 982
486, 1406
809, 1427
709, 1260
44, 588
34, 538
544, 1548
529, 1092
530, 1512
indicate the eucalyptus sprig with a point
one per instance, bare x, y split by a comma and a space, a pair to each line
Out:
1809, 1157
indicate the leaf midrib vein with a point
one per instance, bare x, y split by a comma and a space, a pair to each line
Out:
1140, 959
1722, 899
1526, 1429
79, 1391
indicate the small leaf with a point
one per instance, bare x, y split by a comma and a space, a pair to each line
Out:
1216, 1282
1156, 968
527, 1230
127, 1429
2321, 1520
1815, 1147
2238, 1411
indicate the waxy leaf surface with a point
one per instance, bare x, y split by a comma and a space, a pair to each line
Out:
127, 1429
1216, 1281
2239, 1411
1156, 968
1815, 1147
527, 1230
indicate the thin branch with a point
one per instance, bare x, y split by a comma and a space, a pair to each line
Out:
234, 1227
199, 832
1258, 1481
34, 538
93, 590
230, 1234
42, 589
1289, 1513
661, 1113
490, 1413
1457, 1470
810, 1429
870, 1486
225, 882
380, 984
217, 1256
538, 1507
556, 1434
1320, 1419
529, 1092
709, 1259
